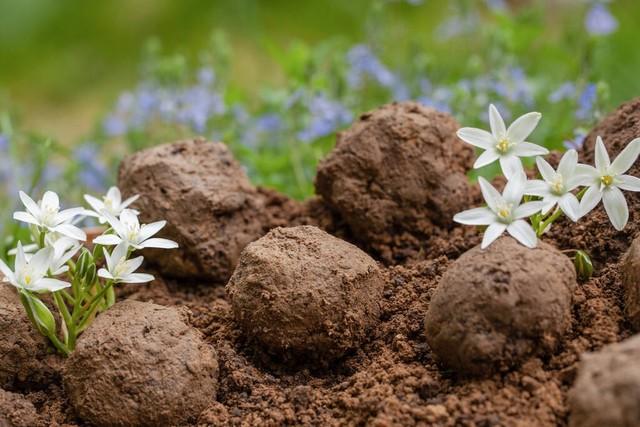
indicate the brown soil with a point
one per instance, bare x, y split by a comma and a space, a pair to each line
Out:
393, 377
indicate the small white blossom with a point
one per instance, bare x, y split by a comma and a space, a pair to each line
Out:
120, 269
111, 202
46, 214
505, 145
555, 187
607, 180
64, 248
129, 230
503, 212
31, 274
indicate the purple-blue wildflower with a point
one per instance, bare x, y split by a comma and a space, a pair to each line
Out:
586, 102
326, 116
566, 90
577, 142
599, 20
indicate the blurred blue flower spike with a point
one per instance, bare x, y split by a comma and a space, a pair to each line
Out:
326, 117
586, 102
566, 90
599, 20
93, 172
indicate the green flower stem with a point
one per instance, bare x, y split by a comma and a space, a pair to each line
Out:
70, 336
544, 224
59, 345
41, 238
93, 305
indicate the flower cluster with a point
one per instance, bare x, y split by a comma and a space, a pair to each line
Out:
57, 261
557, 189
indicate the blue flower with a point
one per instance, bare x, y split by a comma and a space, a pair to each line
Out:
206, 76
326, 117
114, 125
363, 63
4, 143
270, 122
93, 172
577, 142
496, 5
566, 90
586, 102
599, 20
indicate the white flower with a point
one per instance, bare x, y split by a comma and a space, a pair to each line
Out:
46, 214
556, 186
64, 248
111, 202
121, 270
505, 145
31, 274
607, 179
503, 212
129, 230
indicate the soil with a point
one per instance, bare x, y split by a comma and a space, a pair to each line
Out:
393, 377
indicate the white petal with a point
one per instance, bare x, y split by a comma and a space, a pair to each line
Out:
51, 199
590, 200
568, 162
498, 128
616, 207
528, 149
40, 262
67, 214
626, 158
476, 216
548, 203
628, 183
95, 204
523, 233
583, 175
107, 240
486, 158
514, 189
132, 265
527, 209
28, 203
137, 278
492, 233
477, 137
4, 268
71, 231
130, 200
107, 257
114, 223
25, 217
522, 127
490, 194
536, 187
159, 243
149, 230
546, 171
570, 206
119, 253
602, 157
129, 217
105, 274
51, 285
115, 196
21, 260
511, 166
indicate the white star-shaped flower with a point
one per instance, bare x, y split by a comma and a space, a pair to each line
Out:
129, 230
555, 187
120, 269
112, 202
503, 212
505, 145
31, 274
607, 180
46, 214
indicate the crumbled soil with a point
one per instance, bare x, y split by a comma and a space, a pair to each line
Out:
393, 377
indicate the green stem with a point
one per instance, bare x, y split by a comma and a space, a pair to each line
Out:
93, 305
543, 226
41, 238
66, 317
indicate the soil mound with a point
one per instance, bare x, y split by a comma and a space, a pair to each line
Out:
211, 209
26, 359
141, 364
396, 176
302, 292
16, 411
607, 390
496, 306
631, 282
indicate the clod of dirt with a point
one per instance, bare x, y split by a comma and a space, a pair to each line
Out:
607, 389
211, 208
630, 269
25, 356
16, 411
594, 232
301, 292
496, 306
396, 174
141, 364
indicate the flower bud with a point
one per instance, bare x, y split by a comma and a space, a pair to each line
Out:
83, 262
583, 264
90, 275
39, 314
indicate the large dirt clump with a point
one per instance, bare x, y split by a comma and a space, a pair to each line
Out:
594, 232
301, 292
397, 175
631, 282
16, 411
607, 389
496, 306
211, 208
141, 364
26, 358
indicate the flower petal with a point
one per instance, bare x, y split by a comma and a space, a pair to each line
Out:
21, 260
583, 175
105, 274
4, 268
616, 207
25, 217
570, 206
28, 203
546, 171
602, 157
528, 149
67, 214
492, 233
107, 240
628, 182
159, 243
527, 209
50, 285
511, 166
476, 216
490, 194
514, 189
130, 200
522, 127
568, 163
477, 137
626, 158
40, 262
95, 204
137, 278
498, 128
486, 158
71, 231
51, 199
132, 265
149, 230
114, 223
523, 233
548, 203
115, 196
536, 187
590, 200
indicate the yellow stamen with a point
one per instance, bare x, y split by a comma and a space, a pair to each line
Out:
503, 145
606, 179
557, 185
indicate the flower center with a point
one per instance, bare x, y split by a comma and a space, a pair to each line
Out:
48, 214
504, 212
132, 232
606, 180
27, 279
503, 145
120, 268
557, 185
